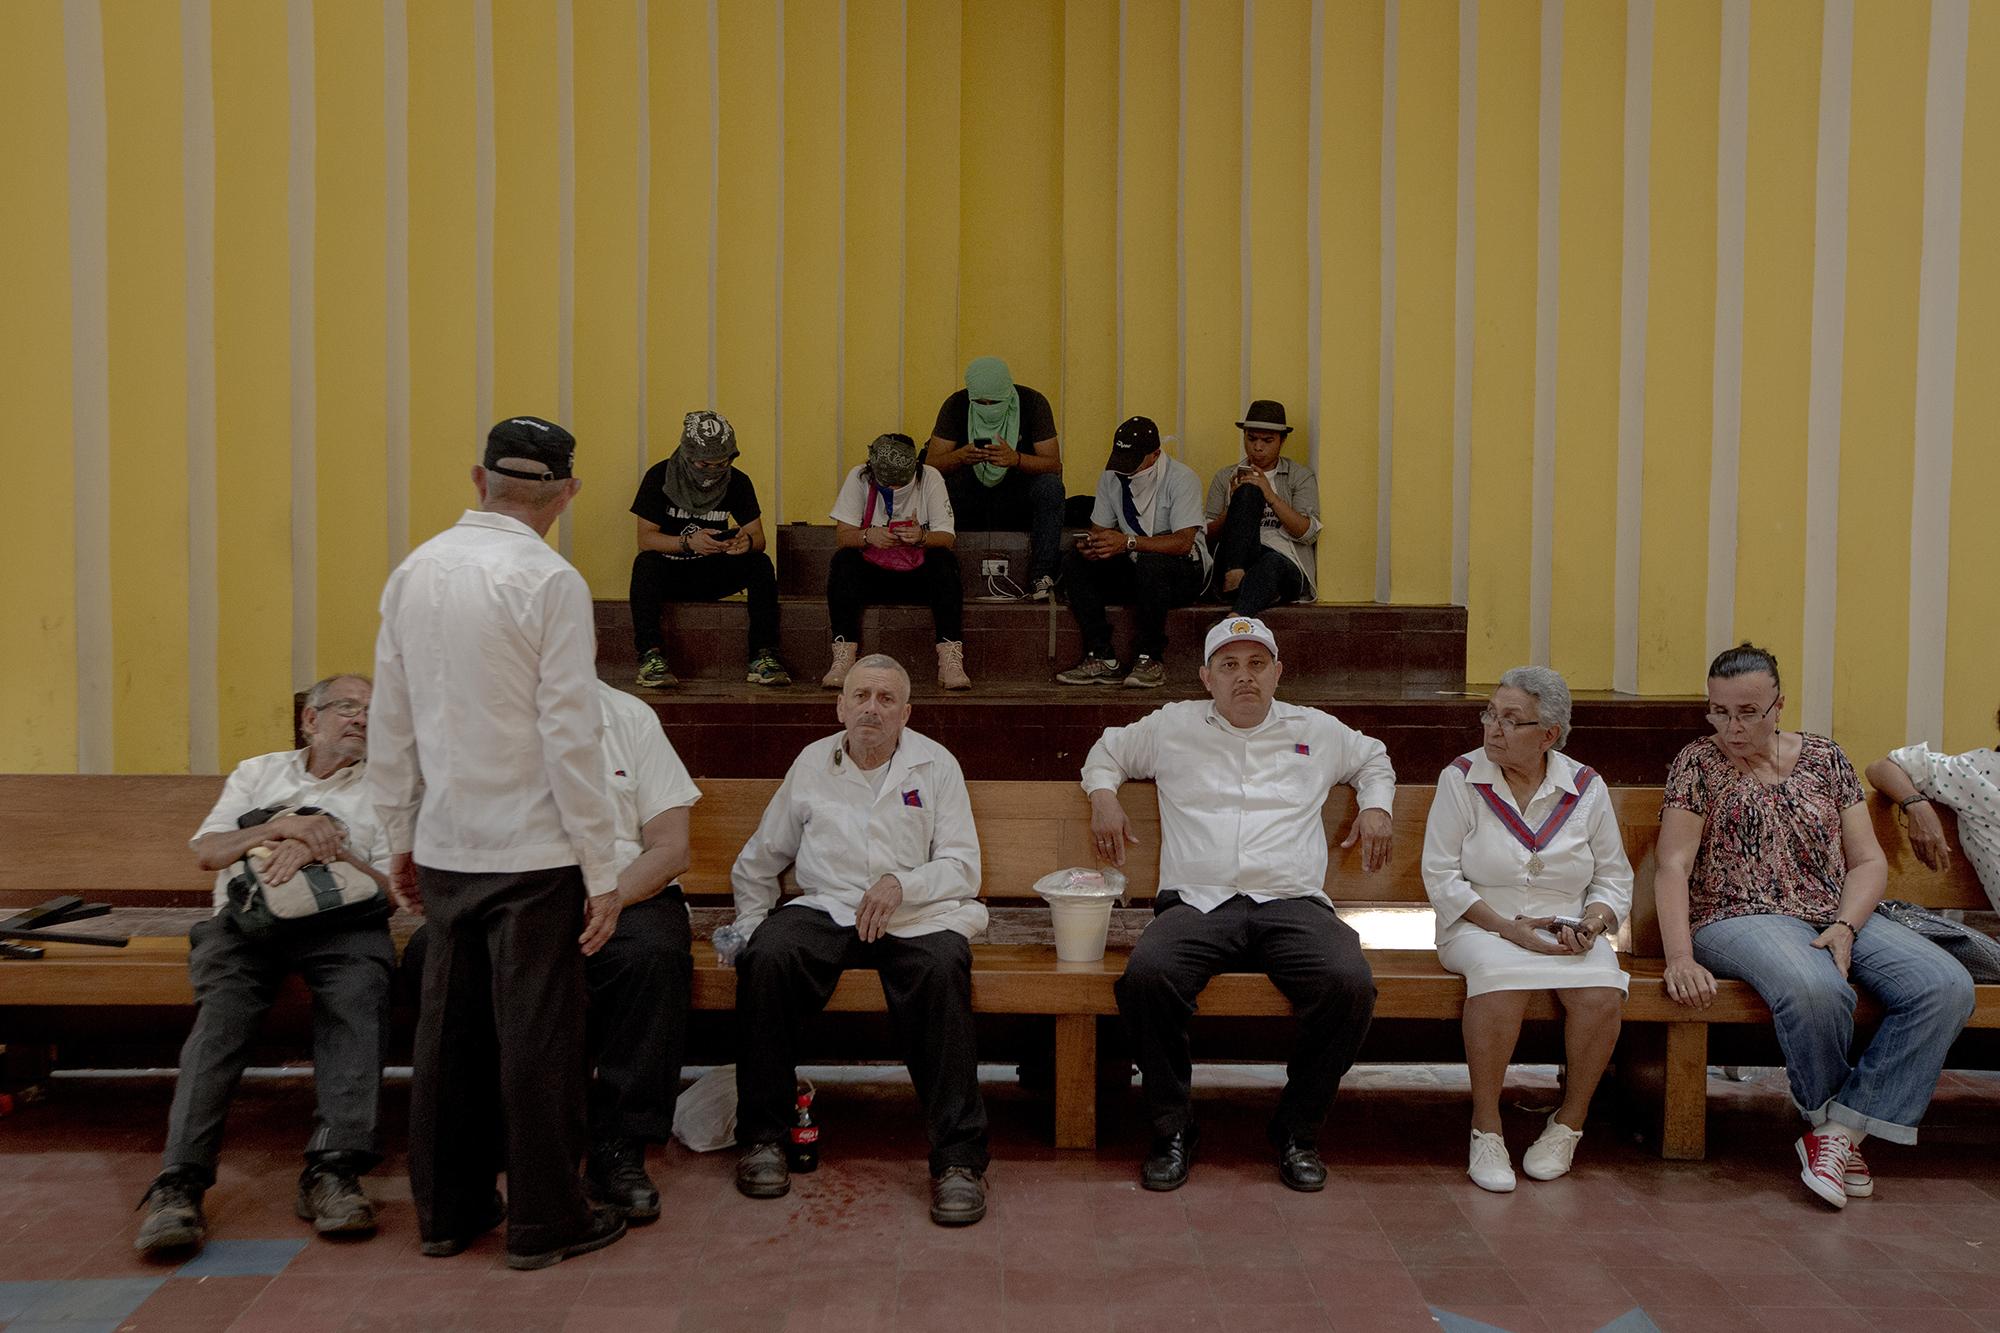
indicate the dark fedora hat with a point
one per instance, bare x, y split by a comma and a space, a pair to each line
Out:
1265, 414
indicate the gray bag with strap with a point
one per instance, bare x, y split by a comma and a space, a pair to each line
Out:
320, 896
1977, 951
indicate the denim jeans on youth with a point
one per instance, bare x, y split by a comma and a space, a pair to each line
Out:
1927, 994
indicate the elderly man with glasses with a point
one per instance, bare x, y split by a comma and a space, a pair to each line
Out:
237, 976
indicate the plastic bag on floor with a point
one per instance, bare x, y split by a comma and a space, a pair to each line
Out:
705, 1115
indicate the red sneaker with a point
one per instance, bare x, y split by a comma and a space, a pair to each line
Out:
1823, 1156
1857, 1182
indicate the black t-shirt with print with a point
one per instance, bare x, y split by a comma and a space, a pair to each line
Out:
1038, 421
738, 507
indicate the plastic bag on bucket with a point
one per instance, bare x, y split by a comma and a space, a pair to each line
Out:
1080, 900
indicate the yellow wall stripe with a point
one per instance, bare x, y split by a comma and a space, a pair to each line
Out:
525, 208
1148, 148
38, 640
1780, 181
868, 342
1878, 396
1089, 306
1211, 127
1587, 341
1680, 346
1350, 236
677, 312
1279, 101
1503, 357
198, 182
1426, 228
1972, 639
933, 109
606, 370
147, 276
746, 309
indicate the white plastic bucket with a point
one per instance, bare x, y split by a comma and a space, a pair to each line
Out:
1081, 927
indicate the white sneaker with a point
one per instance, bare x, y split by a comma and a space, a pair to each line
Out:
1550, 1155
1490, 1167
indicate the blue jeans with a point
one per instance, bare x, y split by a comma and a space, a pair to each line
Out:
1927, 993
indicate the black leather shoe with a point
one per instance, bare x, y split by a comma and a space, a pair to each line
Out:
450, 1245
616, 1176
762, 1173
330, 1196
606, 1225
1299, 1166
173, 1213
1166, 1166
958, 1197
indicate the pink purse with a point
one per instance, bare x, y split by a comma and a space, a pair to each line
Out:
903, 558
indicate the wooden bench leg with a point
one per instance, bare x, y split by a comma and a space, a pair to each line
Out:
1684, 1107
1076, 1081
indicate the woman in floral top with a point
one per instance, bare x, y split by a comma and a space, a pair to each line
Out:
1769, 872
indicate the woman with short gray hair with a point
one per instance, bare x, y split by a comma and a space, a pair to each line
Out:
1524, 864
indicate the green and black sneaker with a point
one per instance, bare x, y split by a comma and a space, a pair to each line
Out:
654, 673
766, 669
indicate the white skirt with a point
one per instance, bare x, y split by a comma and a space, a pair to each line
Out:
1490, 963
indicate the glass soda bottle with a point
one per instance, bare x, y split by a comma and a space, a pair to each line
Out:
802, 1148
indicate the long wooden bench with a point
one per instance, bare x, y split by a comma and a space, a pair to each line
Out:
133, 853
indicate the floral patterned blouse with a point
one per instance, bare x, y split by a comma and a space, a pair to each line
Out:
1766, 848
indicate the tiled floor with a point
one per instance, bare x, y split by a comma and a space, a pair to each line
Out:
1399, 1240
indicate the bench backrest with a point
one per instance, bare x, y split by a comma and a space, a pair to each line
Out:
124, 840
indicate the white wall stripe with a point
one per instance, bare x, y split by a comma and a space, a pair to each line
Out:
396, 149
643, 261
714, 186
90, 378
1179, 445
1726, 428
1462, 313
1548, 250
1829, 334
840, 259
301, 199
1248, 114
1315, 272
484, 170
1635, 271
198, 214
1385, 393
565, 238
778, 281
1937, 370
1118, 227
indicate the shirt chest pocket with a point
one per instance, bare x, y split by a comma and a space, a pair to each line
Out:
624, 792
1287, 779
900, 833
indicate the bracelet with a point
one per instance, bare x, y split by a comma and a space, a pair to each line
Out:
1852, 933
1905, 805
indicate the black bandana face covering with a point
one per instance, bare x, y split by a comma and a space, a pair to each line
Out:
707, 438
892, 460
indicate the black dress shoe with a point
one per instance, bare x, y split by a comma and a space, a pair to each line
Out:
616, 1176
1166, 1166
761, 1173
445, 1247
1299, 1166
606, 1225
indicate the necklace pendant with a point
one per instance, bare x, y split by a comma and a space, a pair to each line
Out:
1535, 866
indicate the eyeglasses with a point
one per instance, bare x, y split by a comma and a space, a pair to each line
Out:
343, 707
1507, 724
1748, 715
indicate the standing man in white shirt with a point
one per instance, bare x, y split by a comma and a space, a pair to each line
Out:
878, 827
1242, 780
237, 977
487, 777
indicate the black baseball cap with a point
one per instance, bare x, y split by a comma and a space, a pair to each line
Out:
531, 440
1135, 438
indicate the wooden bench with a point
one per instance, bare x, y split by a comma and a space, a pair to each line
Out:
134, 854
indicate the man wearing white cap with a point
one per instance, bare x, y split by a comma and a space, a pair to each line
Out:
1242, 779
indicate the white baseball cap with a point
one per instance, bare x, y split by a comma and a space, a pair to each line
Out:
1236, 629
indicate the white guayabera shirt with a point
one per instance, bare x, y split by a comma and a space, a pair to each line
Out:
1970, 784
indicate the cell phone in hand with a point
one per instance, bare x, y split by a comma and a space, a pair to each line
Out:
1573, 922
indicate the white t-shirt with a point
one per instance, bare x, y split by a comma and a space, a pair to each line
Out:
1970, 784
280, 778
643, 774
922, 498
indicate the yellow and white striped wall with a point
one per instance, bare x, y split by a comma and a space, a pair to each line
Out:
1637, 326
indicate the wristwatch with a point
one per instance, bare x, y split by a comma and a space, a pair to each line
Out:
1131, 543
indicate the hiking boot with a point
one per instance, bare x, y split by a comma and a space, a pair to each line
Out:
446, 1246
1148, 673
606, 1225
844, 654
766, 669
330, 1197
615, 1176
958, 1197
654, 673
173, 1213
761, 1173
951, 665
1091, 671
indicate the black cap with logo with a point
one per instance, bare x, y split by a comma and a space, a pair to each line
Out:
530, 440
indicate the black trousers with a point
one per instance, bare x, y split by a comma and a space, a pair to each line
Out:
1309, 953
1269, 577
1030, 502
1154, 583
236, 979
784, 977
854, 584
636, 1023
658, 580
502, 1008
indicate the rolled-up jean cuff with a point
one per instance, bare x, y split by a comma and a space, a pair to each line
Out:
1848, 1118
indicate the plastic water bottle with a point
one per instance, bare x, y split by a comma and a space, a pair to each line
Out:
728, 942
802, 1149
